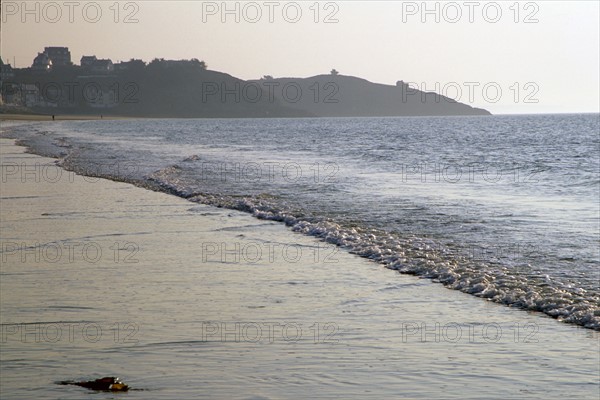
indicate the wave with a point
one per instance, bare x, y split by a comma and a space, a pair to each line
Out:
415, 256
447, 264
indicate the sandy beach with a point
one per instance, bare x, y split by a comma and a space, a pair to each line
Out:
181, 300
57, 117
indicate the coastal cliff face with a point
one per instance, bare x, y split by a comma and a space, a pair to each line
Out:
188, 90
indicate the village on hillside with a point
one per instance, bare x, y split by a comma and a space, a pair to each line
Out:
42, 84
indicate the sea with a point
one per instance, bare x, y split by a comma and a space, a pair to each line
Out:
500, 210
505, 208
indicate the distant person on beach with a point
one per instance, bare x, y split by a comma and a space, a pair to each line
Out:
52, 117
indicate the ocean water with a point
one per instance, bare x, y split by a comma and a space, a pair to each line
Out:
504, 207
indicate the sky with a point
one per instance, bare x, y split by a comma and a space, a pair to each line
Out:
505, 56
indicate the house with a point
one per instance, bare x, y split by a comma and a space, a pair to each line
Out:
6, 84
11, 93
6, 71
41, 63
88, 61
30, 95
97, 65
130, 65
60, 56
102, 66
52, 57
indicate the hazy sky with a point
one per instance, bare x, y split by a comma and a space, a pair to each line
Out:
503, 56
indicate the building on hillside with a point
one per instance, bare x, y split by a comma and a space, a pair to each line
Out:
41, 63
97, 65
130, 65
60, 56
102, 66
6, 71
88, 61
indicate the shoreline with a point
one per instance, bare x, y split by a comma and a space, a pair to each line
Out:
199, 306
57, 117
16, 117
51, 149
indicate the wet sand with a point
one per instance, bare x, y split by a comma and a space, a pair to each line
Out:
101, 278
57, 117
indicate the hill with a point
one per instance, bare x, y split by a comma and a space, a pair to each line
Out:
184, 88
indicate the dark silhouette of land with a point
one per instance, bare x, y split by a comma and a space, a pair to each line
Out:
348, 96
166, 88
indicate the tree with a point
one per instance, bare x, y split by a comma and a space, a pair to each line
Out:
334, 72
